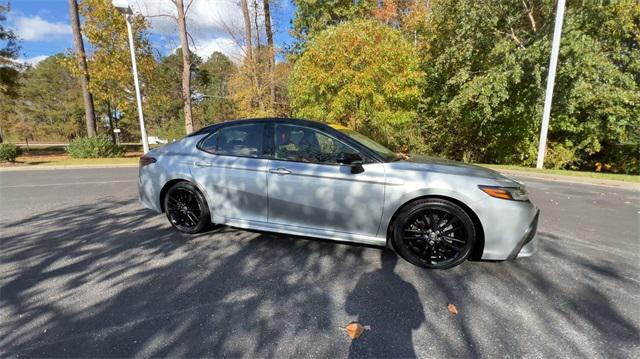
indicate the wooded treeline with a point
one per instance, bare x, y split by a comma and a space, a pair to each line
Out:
460, 79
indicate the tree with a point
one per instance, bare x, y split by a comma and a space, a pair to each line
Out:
216, 73
82, 66
312, 17
363, 75
247, 30
485, 66
250, 86
186, 65
51, 102
8, 53
110, 64
9, 71
166, 112
271, 49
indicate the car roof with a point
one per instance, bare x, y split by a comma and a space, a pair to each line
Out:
298, 121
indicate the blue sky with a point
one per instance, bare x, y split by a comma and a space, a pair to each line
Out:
44, 29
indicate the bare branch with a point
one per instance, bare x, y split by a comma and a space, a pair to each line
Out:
186, 10
195, 48
161, 15
529, 10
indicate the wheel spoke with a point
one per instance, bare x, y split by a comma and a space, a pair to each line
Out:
450, 222
434, 236
454, 239
183, 208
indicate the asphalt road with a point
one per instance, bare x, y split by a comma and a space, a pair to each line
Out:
86, 271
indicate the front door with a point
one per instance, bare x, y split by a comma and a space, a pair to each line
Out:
233, 170
308, 188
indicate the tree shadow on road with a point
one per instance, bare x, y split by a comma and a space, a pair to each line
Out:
391, 308
113, 280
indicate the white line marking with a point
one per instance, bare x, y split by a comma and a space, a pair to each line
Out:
67, 184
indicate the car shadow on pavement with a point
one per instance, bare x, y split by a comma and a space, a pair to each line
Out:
391, 309
113, 280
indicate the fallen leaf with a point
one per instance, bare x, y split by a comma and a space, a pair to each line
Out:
452, 309
354, 330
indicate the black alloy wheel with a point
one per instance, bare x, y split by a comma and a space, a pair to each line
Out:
433, 233
186, 208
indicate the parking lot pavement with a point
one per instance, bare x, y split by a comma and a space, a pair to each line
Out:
86, 271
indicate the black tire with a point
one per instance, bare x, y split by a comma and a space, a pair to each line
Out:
433, 233
186, 208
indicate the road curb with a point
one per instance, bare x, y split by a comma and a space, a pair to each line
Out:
66, 167
572, 179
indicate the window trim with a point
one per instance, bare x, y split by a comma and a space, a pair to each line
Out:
219, 128
368, 155
365, 158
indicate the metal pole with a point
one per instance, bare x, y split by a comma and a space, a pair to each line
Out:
143, 132
553, 62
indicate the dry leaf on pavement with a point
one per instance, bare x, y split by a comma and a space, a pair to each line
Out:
452, 309
354, 330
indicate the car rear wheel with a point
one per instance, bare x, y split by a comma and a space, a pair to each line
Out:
433, 233
186, 208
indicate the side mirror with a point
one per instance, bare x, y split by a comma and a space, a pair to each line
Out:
352, 160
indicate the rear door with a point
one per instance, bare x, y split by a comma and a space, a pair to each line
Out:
233, 170
307, 188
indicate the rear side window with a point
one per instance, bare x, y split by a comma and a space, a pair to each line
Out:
239, 140
210, 144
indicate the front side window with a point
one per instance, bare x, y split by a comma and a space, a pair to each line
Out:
304, 144
238, 140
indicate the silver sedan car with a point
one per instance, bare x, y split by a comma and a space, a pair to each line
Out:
306, 178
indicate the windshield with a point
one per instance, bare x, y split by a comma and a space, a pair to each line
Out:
386, 153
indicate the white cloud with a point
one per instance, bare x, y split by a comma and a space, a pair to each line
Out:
213, 25
36, 28
205, 47
32, 61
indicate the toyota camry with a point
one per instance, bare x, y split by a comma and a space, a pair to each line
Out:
310, 179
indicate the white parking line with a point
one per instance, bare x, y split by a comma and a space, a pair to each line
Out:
67, 184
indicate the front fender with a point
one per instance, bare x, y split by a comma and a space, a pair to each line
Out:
396, 198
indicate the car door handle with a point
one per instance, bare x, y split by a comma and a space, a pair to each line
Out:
280, 171
203, 164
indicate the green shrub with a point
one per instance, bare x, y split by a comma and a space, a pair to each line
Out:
560, 156
9, 152
94, 147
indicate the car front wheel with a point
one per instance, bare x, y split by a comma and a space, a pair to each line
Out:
186, 208
433, 233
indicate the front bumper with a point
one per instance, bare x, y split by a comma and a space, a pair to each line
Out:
528, 244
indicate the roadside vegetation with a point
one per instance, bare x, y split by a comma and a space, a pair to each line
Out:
9, 152
459, 79
584, 174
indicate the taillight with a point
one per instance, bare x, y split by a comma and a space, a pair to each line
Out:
146, 160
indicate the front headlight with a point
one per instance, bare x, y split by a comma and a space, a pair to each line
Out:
511, 193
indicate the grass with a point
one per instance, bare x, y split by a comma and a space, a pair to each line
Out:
584, 174
65, 161
40, 159
81, 161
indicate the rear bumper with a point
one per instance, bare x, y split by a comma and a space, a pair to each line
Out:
528, 244
149, 189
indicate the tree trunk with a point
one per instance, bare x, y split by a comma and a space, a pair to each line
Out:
271, 49
186, 67
82, 65
247, 30
255, 21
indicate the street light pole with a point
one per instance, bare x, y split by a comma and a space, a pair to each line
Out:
553, 62
123, 7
